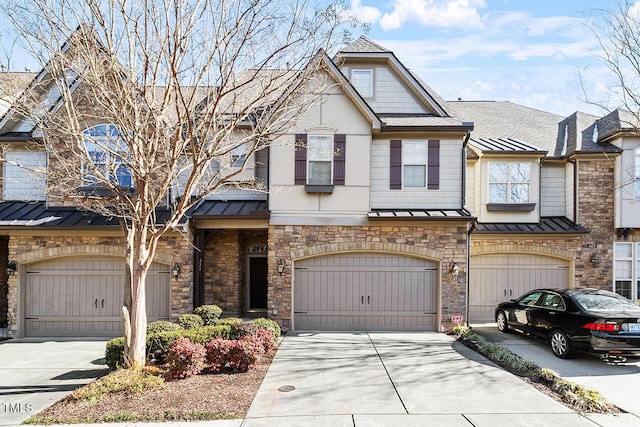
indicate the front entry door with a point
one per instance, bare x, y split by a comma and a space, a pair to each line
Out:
257, 283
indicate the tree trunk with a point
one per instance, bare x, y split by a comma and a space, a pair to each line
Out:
138, 262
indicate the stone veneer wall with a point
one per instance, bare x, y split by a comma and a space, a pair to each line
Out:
596, 186
225, 268
4, 288
434, 241
171, 249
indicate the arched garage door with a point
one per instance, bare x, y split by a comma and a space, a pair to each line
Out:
364, 291
83, 297
495, 278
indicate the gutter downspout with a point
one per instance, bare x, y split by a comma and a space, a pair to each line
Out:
464, 167
466, 302
473, 224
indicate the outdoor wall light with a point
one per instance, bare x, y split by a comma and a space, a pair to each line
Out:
280, 267
11, 268
175, 270
595, 259
455, 270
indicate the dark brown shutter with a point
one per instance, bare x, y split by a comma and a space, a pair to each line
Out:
339, 150
395, 165
301, 159
433, 165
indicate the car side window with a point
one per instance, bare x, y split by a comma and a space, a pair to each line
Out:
553, 301
530, 299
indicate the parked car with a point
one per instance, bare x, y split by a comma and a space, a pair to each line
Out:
575, 319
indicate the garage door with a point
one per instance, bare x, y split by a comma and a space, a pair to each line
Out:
83, 297
499, 277
365, 292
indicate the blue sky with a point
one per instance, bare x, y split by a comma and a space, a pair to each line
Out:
531, 52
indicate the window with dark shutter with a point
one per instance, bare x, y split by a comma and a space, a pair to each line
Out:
339, 150
433, 165
301, 159
395, 165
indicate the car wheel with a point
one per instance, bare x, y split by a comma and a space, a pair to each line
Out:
501, 320
560, 344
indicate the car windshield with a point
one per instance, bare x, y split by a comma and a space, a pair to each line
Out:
600, 302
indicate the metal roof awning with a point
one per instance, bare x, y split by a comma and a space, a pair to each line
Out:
421, 214
230, 209
547, 225
38, 215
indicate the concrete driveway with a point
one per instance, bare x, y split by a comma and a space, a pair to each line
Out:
395, 379
36, 373
619, 383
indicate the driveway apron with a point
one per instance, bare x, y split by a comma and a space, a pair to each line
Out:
36, 373
388, 378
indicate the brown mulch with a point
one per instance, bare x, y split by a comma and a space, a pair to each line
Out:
204, 396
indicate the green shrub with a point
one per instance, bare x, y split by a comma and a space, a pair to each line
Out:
229, 321
162, 326
270, 325
114, 354
190, 321
209, 313
129, 380
158, 343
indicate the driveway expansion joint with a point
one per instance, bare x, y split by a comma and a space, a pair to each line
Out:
395, 389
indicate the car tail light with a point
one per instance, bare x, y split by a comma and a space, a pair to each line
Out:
605, 327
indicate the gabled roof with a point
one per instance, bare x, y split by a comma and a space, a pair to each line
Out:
363, 45
617, 121
365, 49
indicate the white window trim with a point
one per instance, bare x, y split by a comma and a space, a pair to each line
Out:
363, 70
635, 268
330, 158
508, 183
636, 184
406, 163
86, 170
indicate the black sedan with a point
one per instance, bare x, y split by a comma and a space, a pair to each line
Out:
575, 319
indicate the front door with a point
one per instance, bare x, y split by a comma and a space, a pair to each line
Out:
257, 295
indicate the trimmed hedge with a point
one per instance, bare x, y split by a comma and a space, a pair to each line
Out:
209, 313
270, 325
158, 343
190, 321
162, 326
229, 321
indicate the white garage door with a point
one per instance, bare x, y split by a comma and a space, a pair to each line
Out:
365, 292
499, 277
83, 297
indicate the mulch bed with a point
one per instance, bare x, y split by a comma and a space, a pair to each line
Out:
205, 396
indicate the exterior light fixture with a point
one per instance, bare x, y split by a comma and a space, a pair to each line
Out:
280, 267
11, 268
455, 270
595, 259
175, 270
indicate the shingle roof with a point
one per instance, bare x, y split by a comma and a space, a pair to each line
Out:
363, 45
504, 145
547, 225
577, 132
503, 119
616, 121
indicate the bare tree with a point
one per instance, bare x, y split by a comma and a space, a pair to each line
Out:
159, 103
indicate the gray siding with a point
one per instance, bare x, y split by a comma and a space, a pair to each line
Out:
390, 95
552, 191
448, 196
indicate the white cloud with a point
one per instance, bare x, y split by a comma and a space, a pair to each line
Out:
366, 14
434, 13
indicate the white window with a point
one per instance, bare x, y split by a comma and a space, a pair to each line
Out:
414, 168
509, 182
239, 156
362, 80
626, 269
319, 159
109, 155
24, 175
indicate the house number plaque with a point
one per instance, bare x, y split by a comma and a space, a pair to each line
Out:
258, 249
